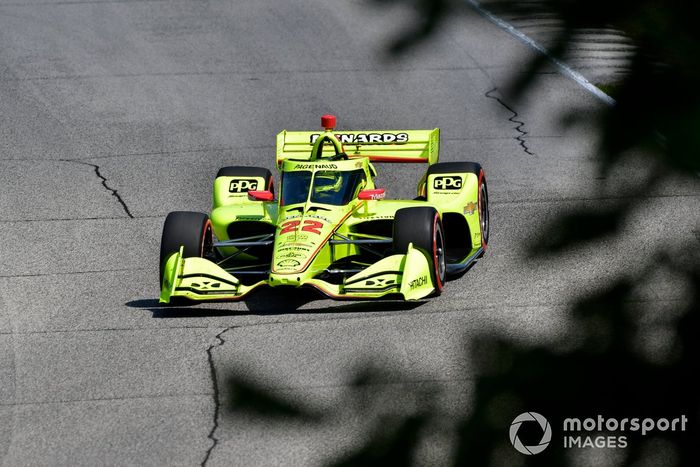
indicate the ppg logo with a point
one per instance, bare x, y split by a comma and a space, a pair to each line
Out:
241, 185
447, 182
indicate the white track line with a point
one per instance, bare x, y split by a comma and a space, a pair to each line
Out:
564, 69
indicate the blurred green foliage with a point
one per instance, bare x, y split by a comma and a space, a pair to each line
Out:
603, 370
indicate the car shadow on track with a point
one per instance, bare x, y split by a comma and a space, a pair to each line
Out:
272, 302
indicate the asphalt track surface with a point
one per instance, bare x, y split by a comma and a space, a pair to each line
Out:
114, 113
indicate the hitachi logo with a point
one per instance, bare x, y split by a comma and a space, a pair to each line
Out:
418, 282
350, 138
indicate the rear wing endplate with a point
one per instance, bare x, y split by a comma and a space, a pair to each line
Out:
377, 145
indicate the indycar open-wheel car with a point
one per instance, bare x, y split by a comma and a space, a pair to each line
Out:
330, 227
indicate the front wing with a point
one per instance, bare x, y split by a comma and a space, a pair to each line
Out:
199, 279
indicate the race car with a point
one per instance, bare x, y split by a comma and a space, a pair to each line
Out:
330, 227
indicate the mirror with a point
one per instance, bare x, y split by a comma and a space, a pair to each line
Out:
377, 193
260, 195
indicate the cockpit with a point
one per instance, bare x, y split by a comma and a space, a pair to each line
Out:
334, 187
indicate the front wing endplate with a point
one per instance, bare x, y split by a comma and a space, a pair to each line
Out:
200, 279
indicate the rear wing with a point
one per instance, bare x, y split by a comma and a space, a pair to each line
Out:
377, 145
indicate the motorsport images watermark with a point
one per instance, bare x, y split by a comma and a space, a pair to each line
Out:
600, 432
530, 417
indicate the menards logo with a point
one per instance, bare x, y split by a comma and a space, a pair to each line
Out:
350, 138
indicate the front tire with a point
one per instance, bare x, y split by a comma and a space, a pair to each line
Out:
422, 226
191, 230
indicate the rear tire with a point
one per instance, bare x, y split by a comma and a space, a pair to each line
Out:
192, 230
483, 198
454, 167
422, 226
242, 171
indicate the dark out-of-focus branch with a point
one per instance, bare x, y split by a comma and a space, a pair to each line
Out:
602, 366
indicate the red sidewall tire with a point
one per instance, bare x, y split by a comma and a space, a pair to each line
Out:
437, 229
483, 205
422, 227
191, 230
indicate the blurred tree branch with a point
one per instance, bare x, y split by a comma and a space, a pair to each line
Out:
601, 370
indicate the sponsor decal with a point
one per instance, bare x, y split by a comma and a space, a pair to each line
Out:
205, 285
288, 263
372, 196
447, 182
290, 254
312, 226
314, 216
293, 247
379, 282
418, 282
470, 208
308, 226
316, 166
289, 227
240, 185
365, 138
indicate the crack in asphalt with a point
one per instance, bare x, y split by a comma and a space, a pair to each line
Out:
215, 383
114, 192
519, 125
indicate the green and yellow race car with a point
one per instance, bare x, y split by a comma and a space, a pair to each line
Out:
330, 227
